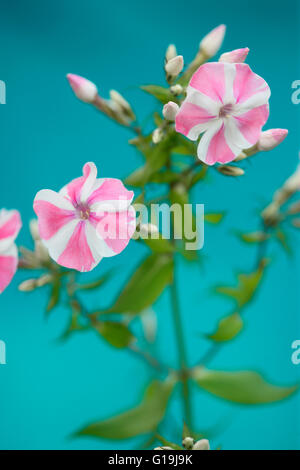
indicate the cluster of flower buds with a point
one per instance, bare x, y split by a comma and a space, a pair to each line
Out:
117, 108
32, 284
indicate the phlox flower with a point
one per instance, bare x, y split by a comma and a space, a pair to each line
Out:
228, 104
88, 219
10, 225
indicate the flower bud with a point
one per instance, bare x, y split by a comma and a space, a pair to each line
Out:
270, 139
171, 52
174, 66
34, 229
236, 56
122, 104
212, 42
147, 230
176, 90
292, 184
240, 157
188, 443
203, 444
44, 280
157, 135
170, 110
84, 89
28, 285
230, 170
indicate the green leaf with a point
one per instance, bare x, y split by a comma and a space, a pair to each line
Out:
282, 237
145, 286
244, 387
160, 93
214, 217
254, 237
228, 328
246, 287
116, 334
95, 284
140, 420
167, 443
159, 245
54, 295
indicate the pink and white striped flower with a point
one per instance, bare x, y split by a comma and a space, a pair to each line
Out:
88, 219
228, 104
10, 225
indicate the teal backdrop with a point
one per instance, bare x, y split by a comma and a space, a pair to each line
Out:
49, 389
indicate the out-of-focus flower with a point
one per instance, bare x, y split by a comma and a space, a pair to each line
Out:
171, 52
84, 89
236, 56
10, 225
268, 140
212, 42
86, 220
170, 110
203, 444
174, 66
228, 104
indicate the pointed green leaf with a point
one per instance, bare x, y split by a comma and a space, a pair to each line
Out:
54, 296
140, 420
253, 237
228, 328
282, 237
246, 287
160, 93
214, 217
95, 284
116, 334
245, 387
167, 443
145, 286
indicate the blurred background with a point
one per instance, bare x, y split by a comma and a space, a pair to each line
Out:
49, 389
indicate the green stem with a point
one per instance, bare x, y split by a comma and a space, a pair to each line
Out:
181, 353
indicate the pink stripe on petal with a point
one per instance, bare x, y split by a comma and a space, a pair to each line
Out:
77, 254
8, 267
111, 190
247, 83
218, 149
74, 189
251, 123
209, 79
11, 225
116, 229
189, 116
51, 218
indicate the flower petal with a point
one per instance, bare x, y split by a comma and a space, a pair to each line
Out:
213, 146
79, 189
209, 80
250, 90
109, 195
114, 231
77, 253
53, 211
8, 266
10, 225
192, 119
251, 122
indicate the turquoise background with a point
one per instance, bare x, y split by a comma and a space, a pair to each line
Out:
49, 389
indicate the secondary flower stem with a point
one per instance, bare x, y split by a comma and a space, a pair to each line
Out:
181, 352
